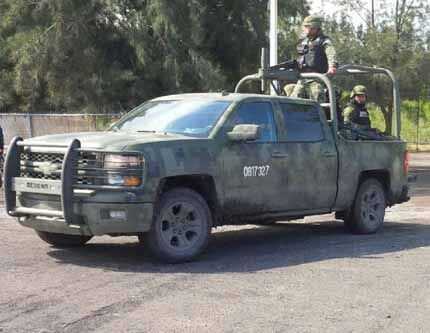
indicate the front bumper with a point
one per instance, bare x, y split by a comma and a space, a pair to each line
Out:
94, 220
62, 206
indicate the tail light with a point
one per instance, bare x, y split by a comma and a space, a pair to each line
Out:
406, 162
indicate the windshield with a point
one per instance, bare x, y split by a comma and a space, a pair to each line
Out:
187, 117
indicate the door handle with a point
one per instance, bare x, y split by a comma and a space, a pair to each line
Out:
278, 154
328, 154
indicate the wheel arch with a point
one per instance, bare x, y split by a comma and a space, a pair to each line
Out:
382, 175
201, 183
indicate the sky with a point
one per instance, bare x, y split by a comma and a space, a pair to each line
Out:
382, 8
328, 7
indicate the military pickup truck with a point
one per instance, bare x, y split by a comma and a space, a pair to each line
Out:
175, 167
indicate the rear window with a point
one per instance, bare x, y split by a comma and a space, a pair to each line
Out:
302, 122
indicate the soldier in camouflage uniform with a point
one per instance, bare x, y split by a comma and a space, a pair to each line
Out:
356, 112
289, 89
316, 54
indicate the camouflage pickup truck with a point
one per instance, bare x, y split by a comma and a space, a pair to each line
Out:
177, 166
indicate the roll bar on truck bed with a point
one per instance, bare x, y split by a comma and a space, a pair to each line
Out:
269, 74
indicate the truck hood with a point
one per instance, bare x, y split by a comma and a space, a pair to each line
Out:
106, 140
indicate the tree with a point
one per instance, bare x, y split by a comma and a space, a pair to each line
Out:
393, 39
65, 55
107, 55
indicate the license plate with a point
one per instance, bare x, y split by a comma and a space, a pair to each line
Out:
36, 185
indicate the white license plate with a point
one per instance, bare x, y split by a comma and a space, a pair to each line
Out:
36, 185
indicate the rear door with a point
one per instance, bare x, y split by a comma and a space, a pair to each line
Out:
309, 158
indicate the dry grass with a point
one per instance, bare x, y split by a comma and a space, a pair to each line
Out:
421, 147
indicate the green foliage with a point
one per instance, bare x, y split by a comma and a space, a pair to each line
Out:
108, 55
394, 38
410, 120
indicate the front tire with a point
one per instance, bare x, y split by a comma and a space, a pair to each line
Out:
181, 227
63, 240
368, 211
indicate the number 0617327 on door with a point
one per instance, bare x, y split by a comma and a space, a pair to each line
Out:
256, 171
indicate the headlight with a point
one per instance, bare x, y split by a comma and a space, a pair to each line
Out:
123, 170
121, 161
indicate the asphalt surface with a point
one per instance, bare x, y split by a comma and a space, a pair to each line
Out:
291, 277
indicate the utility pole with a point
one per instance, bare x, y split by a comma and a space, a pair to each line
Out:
418, 123
273, 35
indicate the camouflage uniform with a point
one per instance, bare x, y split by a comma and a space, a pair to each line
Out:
289, 89
317, 54
355, 113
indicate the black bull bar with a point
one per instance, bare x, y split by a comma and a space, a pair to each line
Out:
12, 169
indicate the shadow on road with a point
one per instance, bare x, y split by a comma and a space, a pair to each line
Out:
256, 249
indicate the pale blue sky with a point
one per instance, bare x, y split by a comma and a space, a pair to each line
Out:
328, 7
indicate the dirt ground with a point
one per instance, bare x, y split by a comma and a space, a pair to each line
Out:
291, 277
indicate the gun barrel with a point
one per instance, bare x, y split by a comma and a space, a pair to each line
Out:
289, 64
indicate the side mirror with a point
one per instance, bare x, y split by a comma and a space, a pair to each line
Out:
244, 133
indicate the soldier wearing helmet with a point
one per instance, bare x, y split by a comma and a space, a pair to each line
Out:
356, 112
316, 54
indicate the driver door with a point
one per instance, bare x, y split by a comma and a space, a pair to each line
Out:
250, 182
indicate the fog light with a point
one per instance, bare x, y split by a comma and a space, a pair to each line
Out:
131, 181
118, 180
118, 214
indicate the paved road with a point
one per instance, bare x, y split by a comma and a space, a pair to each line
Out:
296, 277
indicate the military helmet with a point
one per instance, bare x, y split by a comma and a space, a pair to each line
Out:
358, 90
313, 21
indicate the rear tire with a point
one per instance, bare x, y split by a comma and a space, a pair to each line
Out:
368, 211
63, 240
181, 227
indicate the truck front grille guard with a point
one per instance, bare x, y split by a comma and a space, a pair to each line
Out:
12, 169
69, 176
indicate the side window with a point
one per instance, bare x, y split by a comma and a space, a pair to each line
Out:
256, 113
302, 122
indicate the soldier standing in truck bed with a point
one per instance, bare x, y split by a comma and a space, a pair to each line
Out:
317, 55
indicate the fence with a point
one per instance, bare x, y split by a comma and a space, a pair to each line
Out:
416, 124
29, 125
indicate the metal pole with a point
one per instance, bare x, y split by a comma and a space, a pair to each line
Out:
418, 122
30, 125
331, 93
273, 35
264, 65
